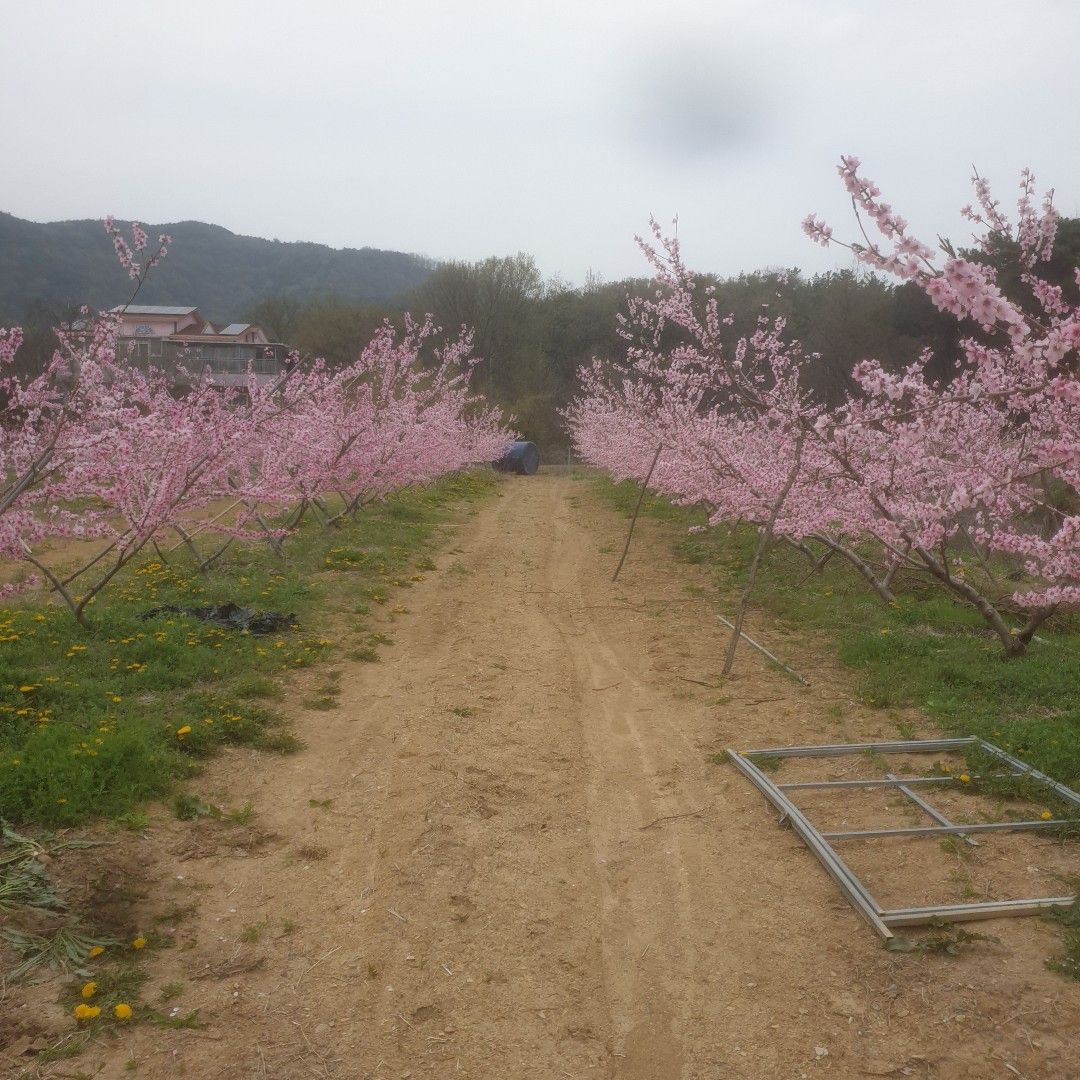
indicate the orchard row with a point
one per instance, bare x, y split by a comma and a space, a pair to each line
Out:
95, 448
971, 484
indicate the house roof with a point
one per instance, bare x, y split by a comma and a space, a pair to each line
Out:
235, 328
154, 309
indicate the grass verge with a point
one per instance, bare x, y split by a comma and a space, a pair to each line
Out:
93, 723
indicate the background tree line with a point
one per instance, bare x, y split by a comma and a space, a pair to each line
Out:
533, 334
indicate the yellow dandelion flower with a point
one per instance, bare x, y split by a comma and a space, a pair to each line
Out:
1046, 815
86, 1012
122, 1011
964, 778
27, 689
89, 990
183, 732
139, 943
97, 950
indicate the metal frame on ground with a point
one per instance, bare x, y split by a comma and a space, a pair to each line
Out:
820, 843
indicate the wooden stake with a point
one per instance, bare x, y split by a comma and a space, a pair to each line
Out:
637, 509
763, 542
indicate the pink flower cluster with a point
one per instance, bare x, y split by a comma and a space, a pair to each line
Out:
136, 269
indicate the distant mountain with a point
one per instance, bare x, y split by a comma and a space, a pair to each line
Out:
54, 265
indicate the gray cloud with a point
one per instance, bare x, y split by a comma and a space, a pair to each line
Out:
696, 103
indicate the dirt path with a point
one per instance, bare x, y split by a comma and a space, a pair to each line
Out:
508, 855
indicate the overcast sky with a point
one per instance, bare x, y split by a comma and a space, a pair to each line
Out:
464, 128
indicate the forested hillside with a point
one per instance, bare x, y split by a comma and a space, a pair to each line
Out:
48, 267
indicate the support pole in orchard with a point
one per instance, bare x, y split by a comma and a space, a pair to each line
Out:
637, 510
763, 542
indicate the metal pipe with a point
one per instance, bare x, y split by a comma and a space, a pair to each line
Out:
1059, 789
809, 785
839, 749
923, 805
993, 909
950, 830
761, 649
850, 886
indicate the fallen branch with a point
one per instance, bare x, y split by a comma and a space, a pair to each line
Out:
637, 510
315, 965
673, 817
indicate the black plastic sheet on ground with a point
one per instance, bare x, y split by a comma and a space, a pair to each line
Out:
231, 616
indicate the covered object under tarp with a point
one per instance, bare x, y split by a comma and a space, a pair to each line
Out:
521, 457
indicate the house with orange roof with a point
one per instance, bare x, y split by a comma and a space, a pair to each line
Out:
180, 338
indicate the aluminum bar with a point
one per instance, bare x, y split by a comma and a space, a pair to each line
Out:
839, 749
933, 812
896, 782
995, 909
761, 649
1059, 789
949, 830
856, 893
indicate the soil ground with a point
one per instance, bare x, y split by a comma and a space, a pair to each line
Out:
507, 854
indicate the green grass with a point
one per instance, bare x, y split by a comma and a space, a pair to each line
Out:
94, 723
926, 652
112, 985
1068, 963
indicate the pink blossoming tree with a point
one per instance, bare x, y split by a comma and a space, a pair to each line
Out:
95, 448
933, 477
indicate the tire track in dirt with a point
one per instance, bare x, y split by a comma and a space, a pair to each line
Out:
645, 959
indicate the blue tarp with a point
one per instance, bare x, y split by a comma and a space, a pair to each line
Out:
521, 457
